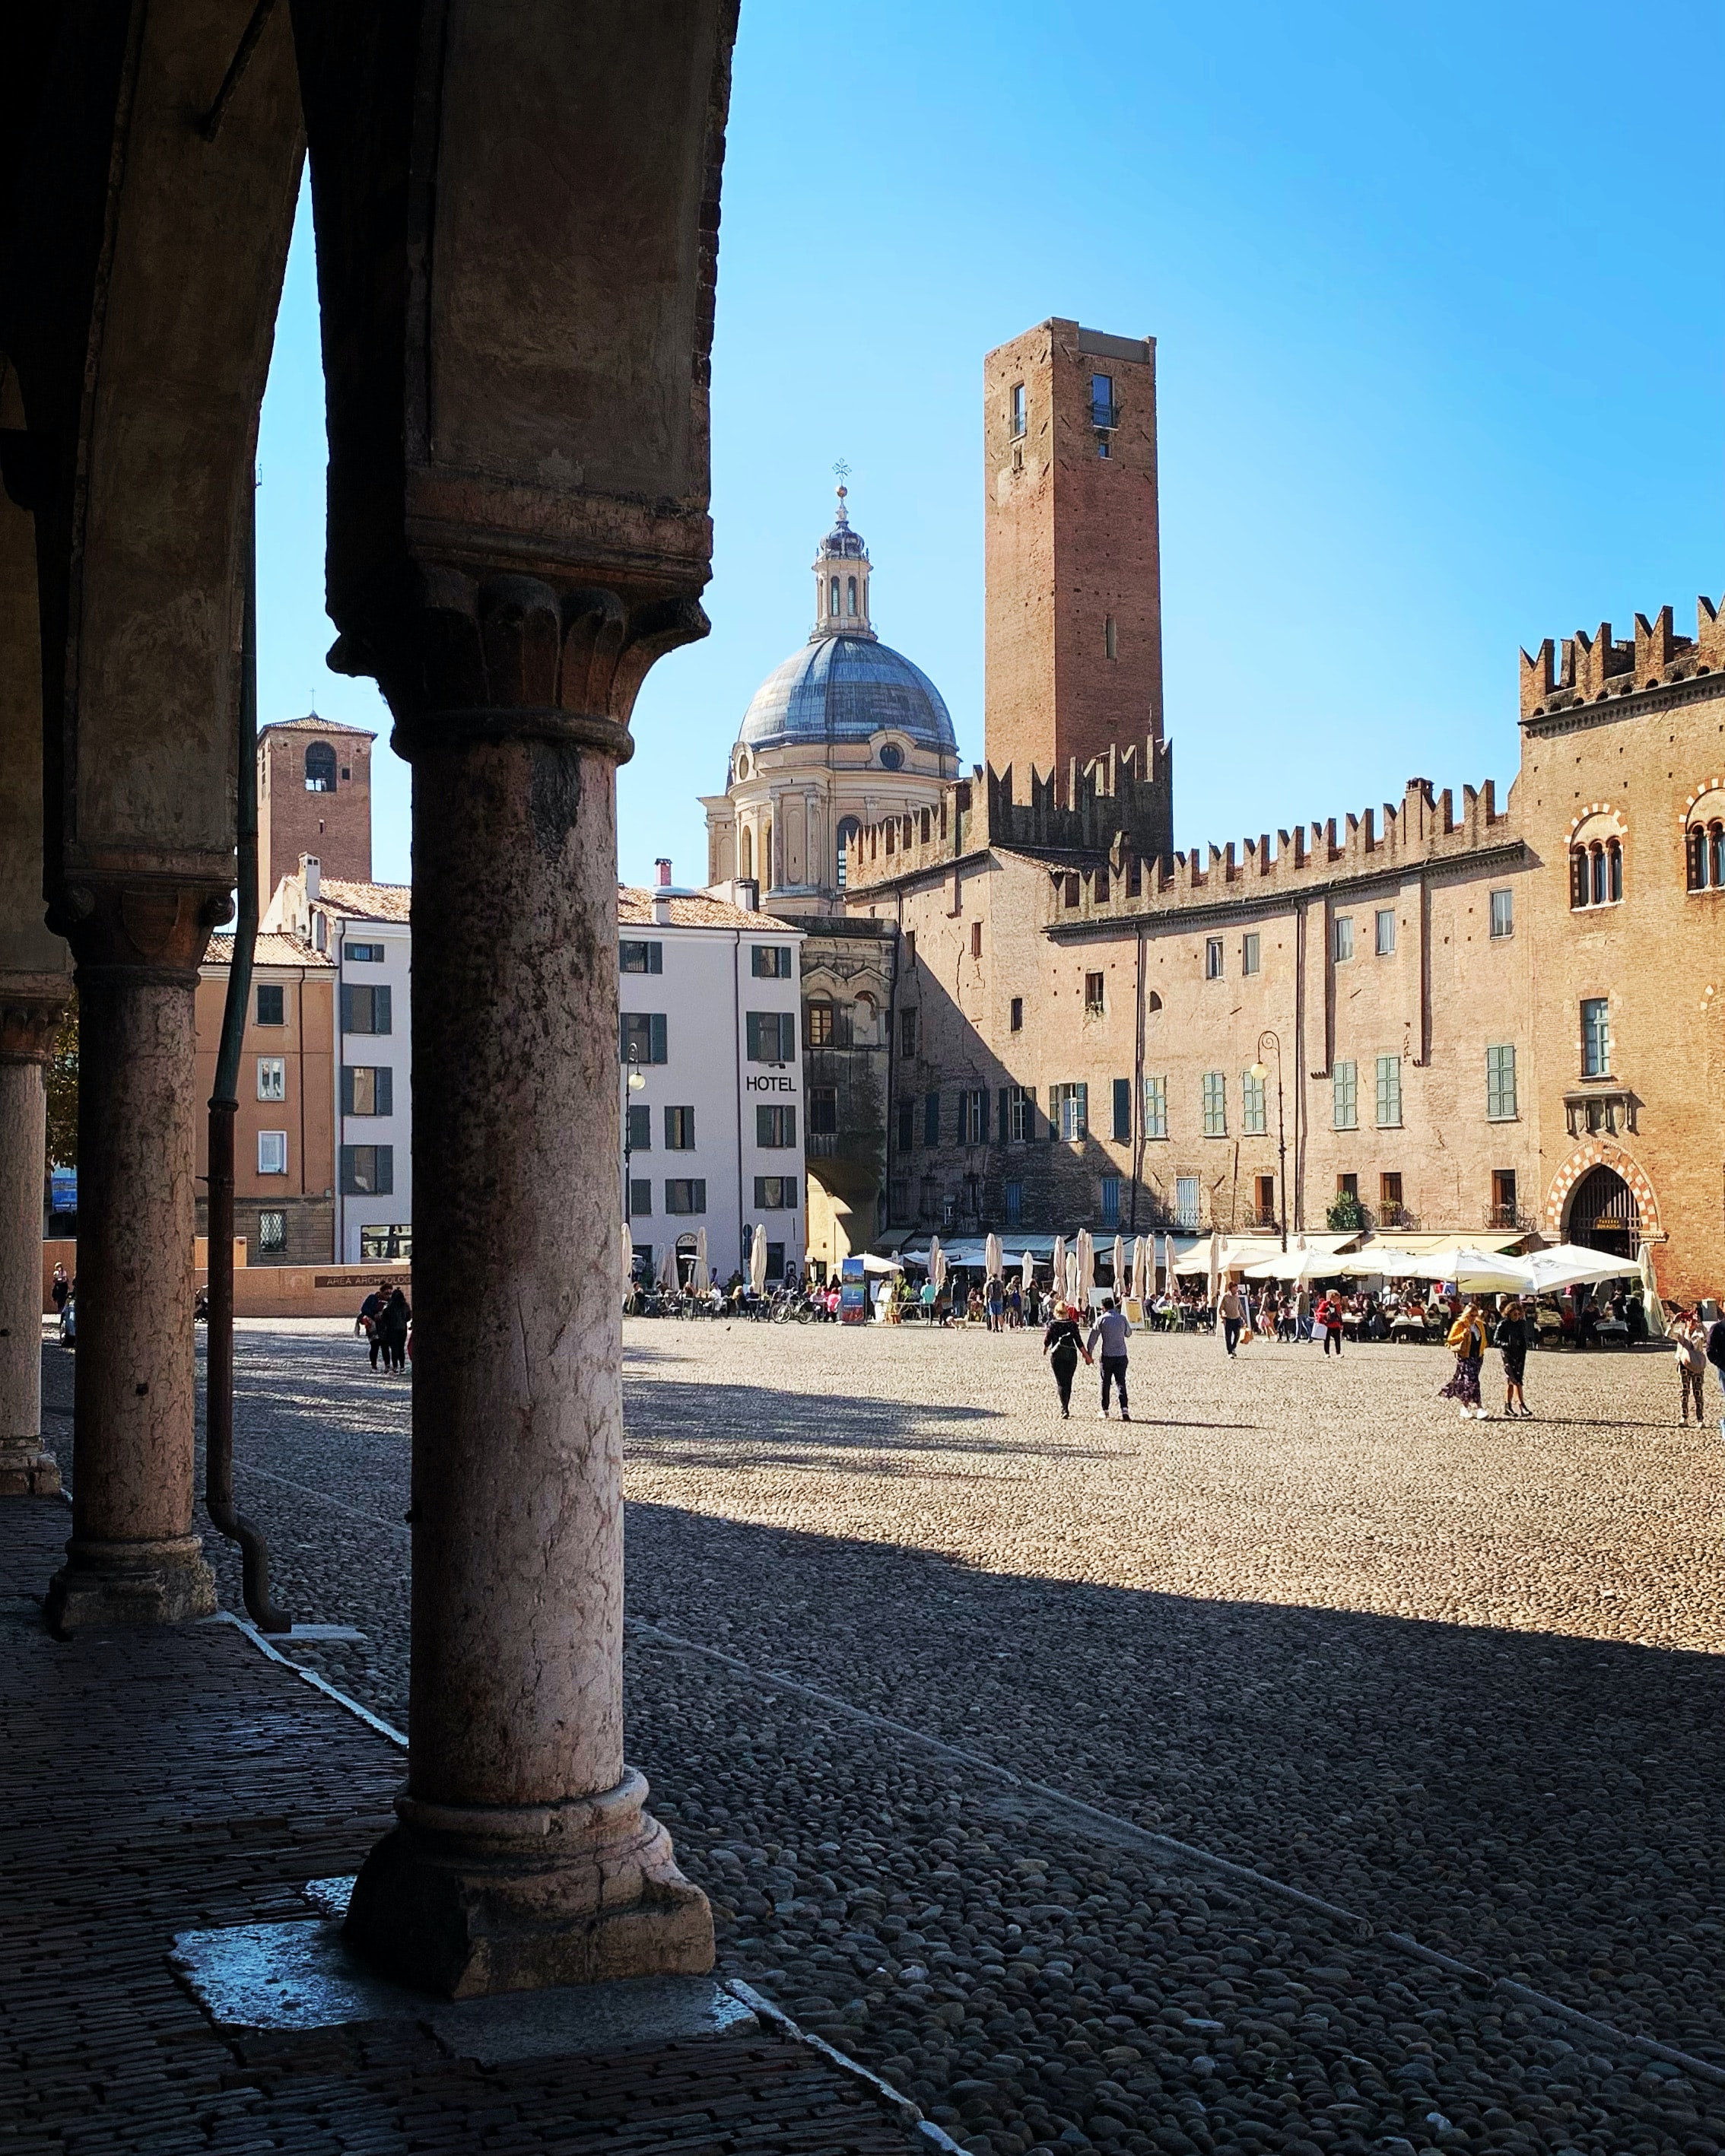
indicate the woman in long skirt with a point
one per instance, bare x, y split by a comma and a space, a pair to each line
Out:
1467, 1342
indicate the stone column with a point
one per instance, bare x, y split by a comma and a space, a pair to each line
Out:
29, 1017
524, 1856
133, 1558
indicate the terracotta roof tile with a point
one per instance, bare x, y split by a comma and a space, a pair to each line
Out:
316, 720
369, 901
694, 909
274, 948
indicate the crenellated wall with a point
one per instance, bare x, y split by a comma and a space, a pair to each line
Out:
1595, 667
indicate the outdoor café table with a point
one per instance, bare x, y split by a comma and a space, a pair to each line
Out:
1408, 1328
1611, 1332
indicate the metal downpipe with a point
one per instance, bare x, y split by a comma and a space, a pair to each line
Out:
223, 1114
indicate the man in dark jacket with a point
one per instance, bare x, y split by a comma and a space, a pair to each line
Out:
1716, 1355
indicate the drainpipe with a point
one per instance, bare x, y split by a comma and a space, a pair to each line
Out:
223, 1114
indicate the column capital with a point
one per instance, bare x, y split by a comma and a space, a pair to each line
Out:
31, 1007
463, 658
155, 925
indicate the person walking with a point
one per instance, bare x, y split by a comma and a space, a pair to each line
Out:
1112, 1331
1513, 1320
1327, 1317
393, 1328
370, 1313
1063, 1343
996, 1299
1302, 1312
1467, 1343
1232, 1316
1715, 1354
1689, 1338
61, 1289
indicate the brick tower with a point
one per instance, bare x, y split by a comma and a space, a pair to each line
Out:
1072, 553
314, 797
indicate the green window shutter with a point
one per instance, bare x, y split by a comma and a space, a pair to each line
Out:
655, 958
752, 1028
386, 1091
659, 1053
347, 1085
1123, 1108
385, 1171
347, 1006
1005, 1127
931, 1119
380, 1010
982, 1102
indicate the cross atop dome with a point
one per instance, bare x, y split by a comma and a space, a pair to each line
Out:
841, 575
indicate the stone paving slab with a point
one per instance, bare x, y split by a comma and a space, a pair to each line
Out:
173, 1781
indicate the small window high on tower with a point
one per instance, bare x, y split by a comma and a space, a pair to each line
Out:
1018, 410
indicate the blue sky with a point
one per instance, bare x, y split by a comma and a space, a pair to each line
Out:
1441, 348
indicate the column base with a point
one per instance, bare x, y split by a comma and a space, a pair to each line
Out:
465, 1902
103, 1585
27, 1469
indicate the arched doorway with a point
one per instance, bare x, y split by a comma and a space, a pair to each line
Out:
1603, 1214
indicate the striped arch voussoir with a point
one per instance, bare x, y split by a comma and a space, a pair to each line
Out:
1601, 1152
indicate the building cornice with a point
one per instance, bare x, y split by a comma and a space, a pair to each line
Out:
1605, 710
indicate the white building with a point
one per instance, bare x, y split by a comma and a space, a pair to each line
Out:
709, 1021
367, 929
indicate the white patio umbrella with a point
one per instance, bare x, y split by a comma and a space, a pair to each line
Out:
668, 1267
1086, 1268
993, 1265
758, 1259
1298, 1264
1070, 1289
1028, 1272
936, 1263
1649, 1294
1214, 1269
1060, 1267
1475, 1272
1120, 1279
629, 1255
1141, 1269
1569, 1265
701, 1280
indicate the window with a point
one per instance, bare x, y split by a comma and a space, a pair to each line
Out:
1020, 1114
1383, 932
770, 961
976, 939
1503, 914
1213, 958
363, 954
848, 831
1103, 411
1505, 1212
1122, 1110
644, 1039
367, 1171
272, 1153
907, 1033
320, 932
380, 1242
1250, 947
639, 1129
1390, 1092
1013, 1195
911, 947
367, 1090
1215, 1103
823, 1111
1596, 874
272, 1003
1343, 937
1344, 1098
1186, 1201
850, 596
1093, 995
679, 1129
320, 768
1110, 1201
272, 1078
1155, 1107
832, 598
272, 1232
818, 1021
1264, 1201
775, 1128
687, 1193
1389, 1197
641, 1198
907, 1125
773, 1194
1596, 1038
771, 1036
1348, 1186
1252, 1120
1069, 1112
1501, 1083
974, 1115
634, 957
1017, 1017
931, 1119
1706, 850
1017, 408
364, 1010
1111, 647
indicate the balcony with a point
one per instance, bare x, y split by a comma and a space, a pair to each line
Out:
1105, 417
821, 1145
1509, 1219
1606, 1105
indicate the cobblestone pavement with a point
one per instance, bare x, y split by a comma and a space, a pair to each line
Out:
1462, 1679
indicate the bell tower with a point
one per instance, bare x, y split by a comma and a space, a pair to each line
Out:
841, 580
314, 797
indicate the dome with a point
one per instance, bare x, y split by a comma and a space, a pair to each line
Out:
841, 688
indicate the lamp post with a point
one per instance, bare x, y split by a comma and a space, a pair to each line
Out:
634, 1079
1260, 1072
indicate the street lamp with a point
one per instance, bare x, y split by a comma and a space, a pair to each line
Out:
635, 1078
1260, 1072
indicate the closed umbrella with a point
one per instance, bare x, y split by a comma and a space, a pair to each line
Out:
1649, 1294
1214, 1269
1140, 1285
1119, 1269
629, 1256
1070, 1290
668, 1267
758, 1259
1028, 1273
701, 1280
1087, 1267
936, 1263
993, 1266
1060, 1267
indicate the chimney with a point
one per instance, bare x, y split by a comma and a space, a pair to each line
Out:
661, 873
310, 874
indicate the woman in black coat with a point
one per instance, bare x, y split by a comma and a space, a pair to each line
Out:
393, 1330
1063, 1343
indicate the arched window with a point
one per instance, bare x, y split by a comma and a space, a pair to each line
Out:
747, 853
850, 595
1580, 888
1596, 855
833, 604
769, 874
1696, 852
1613, 870
1715, 853
320, 768
848, 830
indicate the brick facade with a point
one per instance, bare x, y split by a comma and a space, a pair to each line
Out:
295, 818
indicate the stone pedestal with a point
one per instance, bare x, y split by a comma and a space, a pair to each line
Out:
133, 1558
524, 1857
29, 1015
